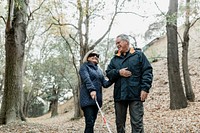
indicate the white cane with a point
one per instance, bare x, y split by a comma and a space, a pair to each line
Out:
104, 119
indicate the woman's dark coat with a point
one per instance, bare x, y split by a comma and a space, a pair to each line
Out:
130, 88
92, 79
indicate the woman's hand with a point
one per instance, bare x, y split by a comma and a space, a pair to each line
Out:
93, 94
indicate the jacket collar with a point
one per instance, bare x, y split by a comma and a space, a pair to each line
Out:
131, 51
95, 66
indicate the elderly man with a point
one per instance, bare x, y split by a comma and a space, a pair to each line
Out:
132, 74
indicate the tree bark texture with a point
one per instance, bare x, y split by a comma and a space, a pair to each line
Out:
83, 50
77, 111
27, 99
185, 44
12, 104
177, 97
54, 101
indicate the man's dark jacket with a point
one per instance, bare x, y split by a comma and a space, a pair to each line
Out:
142, 75
92, 79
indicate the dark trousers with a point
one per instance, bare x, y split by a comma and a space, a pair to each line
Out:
136, 115
90, 114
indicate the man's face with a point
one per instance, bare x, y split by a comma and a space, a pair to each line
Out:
122, 45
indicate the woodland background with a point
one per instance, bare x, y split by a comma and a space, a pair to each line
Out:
42, 45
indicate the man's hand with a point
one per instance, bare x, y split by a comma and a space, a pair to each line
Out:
143, 95
124, 72
93, 94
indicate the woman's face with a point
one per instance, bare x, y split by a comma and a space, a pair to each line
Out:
94, 58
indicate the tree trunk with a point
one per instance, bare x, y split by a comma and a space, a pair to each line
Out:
84, 19
77, 110
83, 50
185, 44
177, 97
54, 108
12, 104
54, 102
28, 97
1, 86
25, 106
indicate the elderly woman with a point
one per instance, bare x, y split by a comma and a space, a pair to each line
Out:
92, 80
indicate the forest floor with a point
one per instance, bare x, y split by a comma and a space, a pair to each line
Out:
158, 118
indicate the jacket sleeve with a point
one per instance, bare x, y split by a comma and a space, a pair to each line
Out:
85, 78
106, 83
147, 73
112, 73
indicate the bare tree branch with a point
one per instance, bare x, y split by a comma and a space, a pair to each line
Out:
112, 20
134, 14
159, 9
10, 13
73, 39
194, 22
70, 49
109, 27
3, 19
31, 13
48, 28
179, 36
63, 75
58, 23
80, 21
108, 30
87, 22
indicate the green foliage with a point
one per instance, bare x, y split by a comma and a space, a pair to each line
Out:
172, 19
36, 109
54, 69
194, 9
19, 4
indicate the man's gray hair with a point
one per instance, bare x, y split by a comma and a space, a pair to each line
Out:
124, 37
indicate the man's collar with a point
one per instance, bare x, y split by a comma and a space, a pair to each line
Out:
130, 50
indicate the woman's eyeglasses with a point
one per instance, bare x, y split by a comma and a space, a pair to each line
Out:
93, 54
